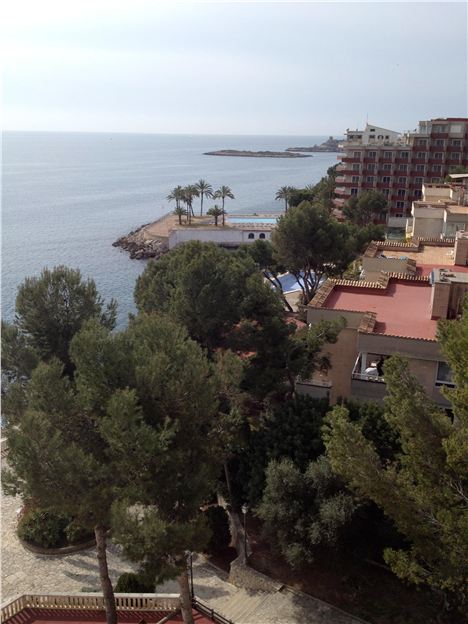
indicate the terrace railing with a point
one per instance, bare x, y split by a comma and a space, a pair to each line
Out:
124, 602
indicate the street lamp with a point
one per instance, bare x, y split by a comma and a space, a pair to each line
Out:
245, 509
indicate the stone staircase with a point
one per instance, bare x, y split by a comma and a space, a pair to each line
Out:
241, 607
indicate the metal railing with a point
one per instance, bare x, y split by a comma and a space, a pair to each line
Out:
367, 377
211, 613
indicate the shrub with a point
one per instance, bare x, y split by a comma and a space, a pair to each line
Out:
76, 533
131, 583
218, 522
44, 528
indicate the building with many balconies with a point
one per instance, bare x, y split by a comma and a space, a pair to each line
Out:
398, 165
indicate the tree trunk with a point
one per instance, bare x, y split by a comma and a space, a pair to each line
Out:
185, 599
201, 205
224, 214
106, 585
216, 220
228, 481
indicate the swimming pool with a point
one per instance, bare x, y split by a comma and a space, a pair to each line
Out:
252, 219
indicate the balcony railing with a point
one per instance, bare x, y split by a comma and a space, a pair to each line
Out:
368, 377
123, 602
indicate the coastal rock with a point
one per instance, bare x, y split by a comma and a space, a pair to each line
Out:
140, 247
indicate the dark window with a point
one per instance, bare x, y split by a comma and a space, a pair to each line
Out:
422, 141
438, 155
370, 179
402, 167
386, 179
355, 179
355, 167
400, 204
418, 193
262, 235
419, 167
456, 142
421, 155
402, 180
387, 154
387, 166
251, 235
444, 375
404, 154
354, 191
418, 180
455, 156
401, 192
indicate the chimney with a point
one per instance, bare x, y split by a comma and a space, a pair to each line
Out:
460, 255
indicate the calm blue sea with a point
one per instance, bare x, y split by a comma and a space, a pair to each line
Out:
67, 196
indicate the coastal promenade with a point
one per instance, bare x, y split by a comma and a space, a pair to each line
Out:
24, 572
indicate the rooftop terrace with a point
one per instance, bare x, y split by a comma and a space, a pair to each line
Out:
402, 307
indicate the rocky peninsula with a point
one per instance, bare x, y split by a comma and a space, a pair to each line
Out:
248, 154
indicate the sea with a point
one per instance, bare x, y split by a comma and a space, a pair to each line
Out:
66, 197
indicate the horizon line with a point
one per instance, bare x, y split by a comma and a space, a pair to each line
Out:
4, 131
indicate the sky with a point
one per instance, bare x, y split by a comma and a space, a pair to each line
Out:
217, 67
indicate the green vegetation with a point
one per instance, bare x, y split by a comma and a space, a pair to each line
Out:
223, 193
50, 310
284, 194
131, 583
302, 511
362, 209
422, 488
218, 523
216, 212
204, 190
310, 244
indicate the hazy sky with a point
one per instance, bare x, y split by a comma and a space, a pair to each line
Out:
231, 67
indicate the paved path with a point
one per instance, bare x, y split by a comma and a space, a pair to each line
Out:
24, 572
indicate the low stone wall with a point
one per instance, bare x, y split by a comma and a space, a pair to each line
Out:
242, 575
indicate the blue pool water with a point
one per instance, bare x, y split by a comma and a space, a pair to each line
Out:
252, 220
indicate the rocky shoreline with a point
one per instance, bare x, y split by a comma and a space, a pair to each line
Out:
142, 247
248, 154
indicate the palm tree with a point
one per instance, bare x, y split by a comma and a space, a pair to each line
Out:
176, 195
204, 190
285, 193
216, 212
190, 192
222, 193
180, 212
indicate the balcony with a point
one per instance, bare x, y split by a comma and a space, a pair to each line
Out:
366, 383
340, 179
316, 388
341, 190
350, 159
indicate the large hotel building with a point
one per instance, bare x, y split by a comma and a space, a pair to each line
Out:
397, 164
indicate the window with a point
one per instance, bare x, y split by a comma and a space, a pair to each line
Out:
387, 154
456, 142
386, 179
437, 168
399, 215
355, 179
356, 154
401, 192
435, 180
401, 180
438, 128
419, 167
387, 167
455, 128
385, 191
371, 154
387, 136
370, 179
444, 375
405, 155
400, 204
421, 155
251, 235
402, 167
440, 142
422, 141
261, 235
356, 167
354, 191
418, 193
455, 156
438, 155
418, 180
370, 166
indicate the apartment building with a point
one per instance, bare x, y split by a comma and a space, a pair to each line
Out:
442, 210
398, 164
395, 312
